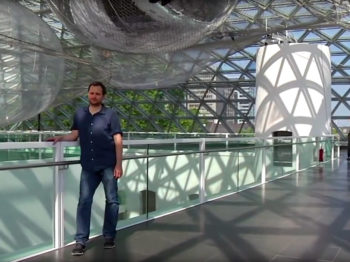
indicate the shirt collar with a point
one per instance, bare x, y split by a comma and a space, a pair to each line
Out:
102, 111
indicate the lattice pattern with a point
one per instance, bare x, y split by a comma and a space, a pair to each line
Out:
222, 93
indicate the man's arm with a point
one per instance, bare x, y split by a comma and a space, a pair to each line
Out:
118, 141
72, 136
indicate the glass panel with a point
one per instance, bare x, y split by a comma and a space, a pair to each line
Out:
71, 193
173, 183
180, 147
336, 145
215, 145
242, 142
249, 168
327, 144
141, 149
133, 150
189, 135
280, 157
148, 135
26, 218
27, 136
18, 137
221, 173
130, 187
25, 154
308, 152
71, 151
71, 197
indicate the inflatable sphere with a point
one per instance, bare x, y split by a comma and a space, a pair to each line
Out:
138, 26
148, 71
30, 72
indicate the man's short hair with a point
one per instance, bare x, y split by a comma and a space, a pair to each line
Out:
97, 83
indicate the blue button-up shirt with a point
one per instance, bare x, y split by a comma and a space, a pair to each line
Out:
96, 137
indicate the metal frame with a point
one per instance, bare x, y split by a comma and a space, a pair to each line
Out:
233, 48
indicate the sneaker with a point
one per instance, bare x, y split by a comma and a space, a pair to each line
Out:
109, 243
78, 249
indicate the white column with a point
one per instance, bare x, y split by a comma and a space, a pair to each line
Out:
293, 94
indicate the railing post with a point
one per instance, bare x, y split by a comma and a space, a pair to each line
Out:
40, 140
129, 139
332, 146
297, 155
226, 136
59, 206
202, 193
348, 146
147, 181
263, 164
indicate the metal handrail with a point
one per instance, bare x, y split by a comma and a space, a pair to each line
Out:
73, 162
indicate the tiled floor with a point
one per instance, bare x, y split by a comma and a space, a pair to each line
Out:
303, 217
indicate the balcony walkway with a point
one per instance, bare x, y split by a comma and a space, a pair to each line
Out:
302, 217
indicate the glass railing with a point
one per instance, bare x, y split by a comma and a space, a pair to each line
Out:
32, 135
40, 187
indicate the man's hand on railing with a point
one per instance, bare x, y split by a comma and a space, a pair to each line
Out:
73, 136
55, 139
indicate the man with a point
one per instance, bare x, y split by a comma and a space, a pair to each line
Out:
101, 145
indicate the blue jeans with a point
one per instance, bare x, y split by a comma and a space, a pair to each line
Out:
89, 182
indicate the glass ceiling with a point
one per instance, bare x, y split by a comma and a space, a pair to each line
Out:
212, 88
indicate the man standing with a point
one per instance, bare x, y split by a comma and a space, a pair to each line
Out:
101, 145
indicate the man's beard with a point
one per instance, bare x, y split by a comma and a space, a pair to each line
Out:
95, 103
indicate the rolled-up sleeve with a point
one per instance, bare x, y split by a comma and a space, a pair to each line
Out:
115, 125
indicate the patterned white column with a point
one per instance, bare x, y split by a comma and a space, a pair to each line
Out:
293, 90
